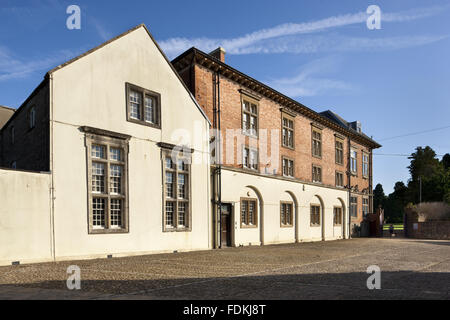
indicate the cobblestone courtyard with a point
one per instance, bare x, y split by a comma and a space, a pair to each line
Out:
411, 269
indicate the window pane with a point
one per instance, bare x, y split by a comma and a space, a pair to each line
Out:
116, 213
169, 184
169, 163
181, 165
245, 122
251, 213
170, 206
135, 105
244, 212
98, 177
98, 152
181, 186
116, 179
182, 214
98, 212
149, 108
115, 154
253, 124
246, 158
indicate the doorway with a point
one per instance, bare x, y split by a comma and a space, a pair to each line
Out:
225, 225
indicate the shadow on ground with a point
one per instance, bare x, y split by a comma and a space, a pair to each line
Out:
394, 285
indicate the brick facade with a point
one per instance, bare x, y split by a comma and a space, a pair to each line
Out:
200, 80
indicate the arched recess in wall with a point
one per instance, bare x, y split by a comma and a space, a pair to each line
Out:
296, 214
322, 215
344, 218
260, 213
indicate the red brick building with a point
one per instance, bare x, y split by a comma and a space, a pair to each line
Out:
318, 151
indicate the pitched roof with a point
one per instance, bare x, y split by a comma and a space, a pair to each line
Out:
157, 46
5, 114
213, 63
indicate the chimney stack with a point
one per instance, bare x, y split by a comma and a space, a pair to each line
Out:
219, 54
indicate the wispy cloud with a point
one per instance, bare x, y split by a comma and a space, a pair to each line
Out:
338, 43
101, 30
312, 80
253, 42
14, 68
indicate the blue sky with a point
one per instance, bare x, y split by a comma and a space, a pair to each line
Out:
396, 80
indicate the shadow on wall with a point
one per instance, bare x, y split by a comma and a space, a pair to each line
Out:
333, 286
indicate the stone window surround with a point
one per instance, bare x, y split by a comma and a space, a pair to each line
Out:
291, 214
290, 117
245, 97
343, 178
255, 214
108, 139
315, 128
143, 92
186, 154
365, 154
314, 166
340, 216
339, 139
283, 158
316, 225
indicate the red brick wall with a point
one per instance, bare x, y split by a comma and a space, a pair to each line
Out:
270, 117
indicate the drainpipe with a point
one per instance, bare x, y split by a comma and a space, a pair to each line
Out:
217, 172
349, 186
52, 172
219, 155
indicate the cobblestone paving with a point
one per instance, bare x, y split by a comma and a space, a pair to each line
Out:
411, 269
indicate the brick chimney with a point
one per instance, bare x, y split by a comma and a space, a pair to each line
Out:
219, 54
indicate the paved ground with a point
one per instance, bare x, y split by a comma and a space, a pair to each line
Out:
411, 269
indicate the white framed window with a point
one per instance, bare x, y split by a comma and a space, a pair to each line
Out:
108, 192
135, 104
365, 164
143, 106
288, 132
316, 143
317, 174
250, 158
249, 213
249, 117
353, 161
286, 214
288, 167
177, 191
315, 215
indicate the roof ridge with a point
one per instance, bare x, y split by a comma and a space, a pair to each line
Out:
96, 48
9, 108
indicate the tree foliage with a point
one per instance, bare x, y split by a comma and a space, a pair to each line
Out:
429, 177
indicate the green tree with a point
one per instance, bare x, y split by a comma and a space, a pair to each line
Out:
446, 161
379, 198
425, 167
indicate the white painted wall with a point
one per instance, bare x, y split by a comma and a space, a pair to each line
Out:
91, 92
269, 192
25, 229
